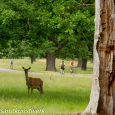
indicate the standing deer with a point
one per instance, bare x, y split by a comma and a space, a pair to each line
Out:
33, 83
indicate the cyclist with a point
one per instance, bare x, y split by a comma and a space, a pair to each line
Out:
72, 64
62, 66
11, 63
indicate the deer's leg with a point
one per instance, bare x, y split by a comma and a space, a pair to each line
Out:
28, 89
41, 89
38, 89
31, 90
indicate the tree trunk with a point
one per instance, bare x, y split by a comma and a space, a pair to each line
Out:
32, 59
84, 64
50, 62
79, 65
0, 56
92, 61
102, 99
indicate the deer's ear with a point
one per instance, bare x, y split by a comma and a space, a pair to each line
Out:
23, 68
29, 68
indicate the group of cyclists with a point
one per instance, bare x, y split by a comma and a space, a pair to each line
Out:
62, 65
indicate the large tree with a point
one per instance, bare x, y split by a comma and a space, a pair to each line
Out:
102, 99
58, 25
65, 24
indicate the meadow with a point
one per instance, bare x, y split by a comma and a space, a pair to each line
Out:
62, 94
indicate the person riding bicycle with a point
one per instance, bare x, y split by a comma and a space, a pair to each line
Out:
72, 64
11, 63
62, 66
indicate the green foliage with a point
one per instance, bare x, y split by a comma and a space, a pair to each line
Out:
14, 50
64, 27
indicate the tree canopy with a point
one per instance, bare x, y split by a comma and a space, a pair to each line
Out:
62, 27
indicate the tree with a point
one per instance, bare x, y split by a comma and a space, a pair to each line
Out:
79, 63
19, 23
14, 49
31, 49
64, 26
58, 25
102, 98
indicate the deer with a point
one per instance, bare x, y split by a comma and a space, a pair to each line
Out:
33, 83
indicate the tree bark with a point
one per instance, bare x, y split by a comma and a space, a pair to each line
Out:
50, 62
79, 65
84, 64
32, 59
102, 98
0, 56
92, 61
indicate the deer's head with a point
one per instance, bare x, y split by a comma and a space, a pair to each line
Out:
26, 70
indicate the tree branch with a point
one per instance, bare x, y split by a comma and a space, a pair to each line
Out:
85, 37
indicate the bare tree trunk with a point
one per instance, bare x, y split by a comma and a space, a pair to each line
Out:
50, 62
102, 98
32, 59
84, 64
92, 61
0, 56
79, 64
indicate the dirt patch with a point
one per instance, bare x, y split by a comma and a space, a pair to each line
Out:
42, 60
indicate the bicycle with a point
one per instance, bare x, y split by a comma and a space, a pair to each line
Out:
72, 69
62, 71
11, 66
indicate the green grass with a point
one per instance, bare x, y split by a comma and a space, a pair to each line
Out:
62, 94
40, 65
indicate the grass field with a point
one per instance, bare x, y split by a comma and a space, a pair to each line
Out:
62, 94
40, 65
